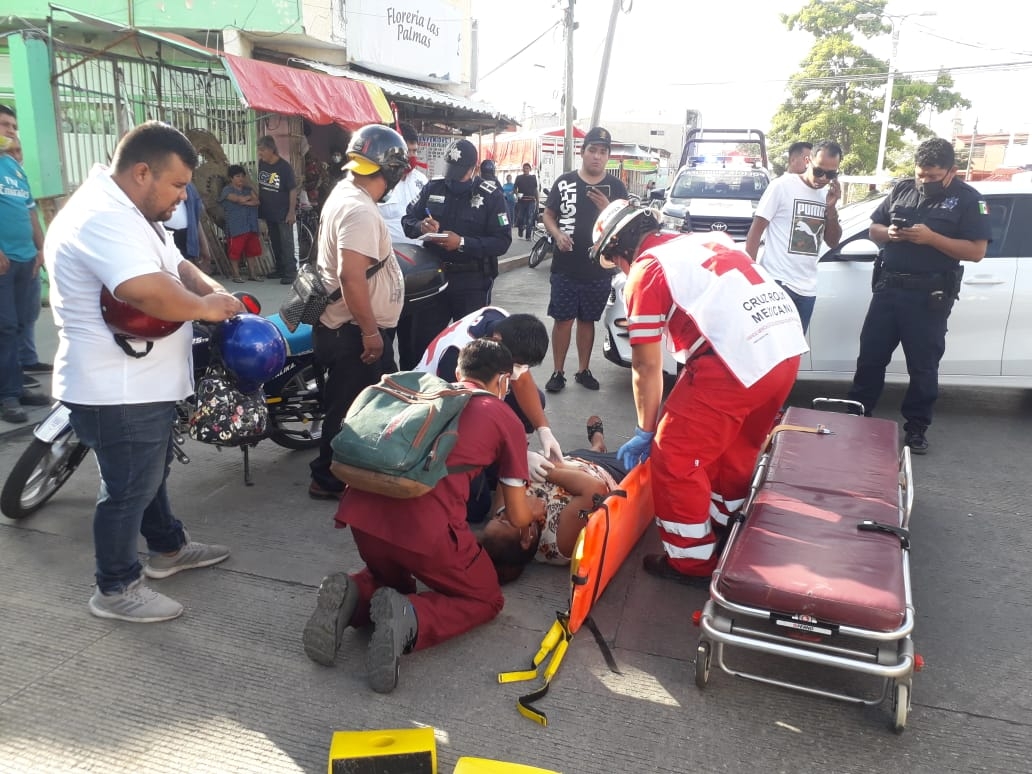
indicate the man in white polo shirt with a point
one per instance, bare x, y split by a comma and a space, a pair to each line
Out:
122, 395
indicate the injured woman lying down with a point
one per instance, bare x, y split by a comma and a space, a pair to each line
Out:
560, 505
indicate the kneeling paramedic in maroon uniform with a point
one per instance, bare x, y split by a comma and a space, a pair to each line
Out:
427, 539
740, 338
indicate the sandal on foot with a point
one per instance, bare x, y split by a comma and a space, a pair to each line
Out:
594, 427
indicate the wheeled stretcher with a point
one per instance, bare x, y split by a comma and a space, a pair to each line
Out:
817, 568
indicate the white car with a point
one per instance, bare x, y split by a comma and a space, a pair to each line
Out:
989, 343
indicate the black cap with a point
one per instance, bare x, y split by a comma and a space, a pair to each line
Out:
487, 167
460, 157
598, 136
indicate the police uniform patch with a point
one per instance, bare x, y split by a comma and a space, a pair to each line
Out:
488, 186
983, 208
503, 219
476, 201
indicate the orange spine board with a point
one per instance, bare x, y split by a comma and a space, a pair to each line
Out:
606, 541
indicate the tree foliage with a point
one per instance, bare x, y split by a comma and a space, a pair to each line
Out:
839, 92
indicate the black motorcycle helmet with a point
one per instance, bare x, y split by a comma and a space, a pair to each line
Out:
375, 148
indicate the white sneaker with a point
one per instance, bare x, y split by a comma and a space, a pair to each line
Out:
188, 557
136, 603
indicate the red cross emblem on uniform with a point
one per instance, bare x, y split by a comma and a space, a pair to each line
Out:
724, 260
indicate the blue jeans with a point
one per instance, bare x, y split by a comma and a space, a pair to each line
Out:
526, 215
804, 305
18, 304
27, 354
133, 444
281, 240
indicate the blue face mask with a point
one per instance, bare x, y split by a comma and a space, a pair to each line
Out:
459, 186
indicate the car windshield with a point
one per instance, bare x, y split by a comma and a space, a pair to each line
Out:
719, 184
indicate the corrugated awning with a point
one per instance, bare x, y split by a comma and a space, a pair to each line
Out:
322, 99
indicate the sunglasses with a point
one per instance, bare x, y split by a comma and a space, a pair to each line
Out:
831, 174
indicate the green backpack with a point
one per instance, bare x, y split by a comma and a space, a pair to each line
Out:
398, 433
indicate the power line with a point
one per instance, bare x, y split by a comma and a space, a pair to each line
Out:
506, 61
831, 80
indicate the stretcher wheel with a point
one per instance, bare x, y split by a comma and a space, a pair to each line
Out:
702, 664
900, 706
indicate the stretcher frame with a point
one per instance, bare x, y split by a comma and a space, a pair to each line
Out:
885, 655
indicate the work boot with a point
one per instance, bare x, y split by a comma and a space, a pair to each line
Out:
334, 606
394, 634
657, 565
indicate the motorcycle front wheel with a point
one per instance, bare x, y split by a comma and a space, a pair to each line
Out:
541, 251
295, 415
42, 469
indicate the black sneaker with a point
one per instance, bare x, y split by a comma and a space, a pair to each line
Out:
38, 368
557, 383
394, 633
585, 379
29, 398
917, 442
29, 382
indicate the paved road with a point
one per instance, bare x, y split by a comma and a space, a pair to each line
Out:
227, 688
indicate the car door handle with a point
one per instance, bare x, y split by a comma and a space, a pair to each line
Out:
984, 282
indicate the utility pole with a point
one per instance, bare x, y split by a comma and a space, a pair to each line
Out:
596, 111
568, 98
971, 151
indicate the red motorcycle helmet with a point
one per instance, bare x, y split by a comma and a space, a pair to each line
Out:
128, 322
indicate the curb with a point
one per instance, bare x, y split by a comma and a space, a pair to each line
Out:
514, 262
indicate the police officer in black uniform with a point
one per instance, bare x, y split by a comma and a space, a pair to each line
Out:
927, 226
470, 215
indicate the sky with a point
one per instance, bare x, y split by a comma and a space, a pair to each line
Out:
731, 60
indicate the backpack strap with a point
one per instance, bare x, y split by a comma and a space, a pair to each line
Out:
337, 294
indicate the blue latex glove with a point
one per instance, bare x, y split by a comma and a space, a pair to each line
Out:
635, 450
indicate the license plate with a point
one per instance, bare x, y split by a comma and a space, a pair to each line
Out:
50, 428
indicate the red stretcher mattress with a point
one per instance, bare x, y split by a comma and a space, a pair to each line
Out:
799, 551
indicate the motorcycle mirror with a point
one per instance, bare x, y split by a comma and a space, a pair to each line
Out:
250, 301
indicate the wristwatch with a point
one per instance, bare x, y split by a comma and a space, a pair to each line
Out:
462, 243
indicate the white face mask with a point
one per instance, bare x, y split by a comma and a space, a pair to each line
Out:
518, 369
503, 380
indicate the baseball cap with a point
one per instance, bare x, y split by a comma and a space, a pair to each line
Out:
598, 136
487, 167
460, 157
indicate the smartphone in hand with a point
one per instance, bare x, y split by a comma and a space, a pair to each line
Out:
901, 222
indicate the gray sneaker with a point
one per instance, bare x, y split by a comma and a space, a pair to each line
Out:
394, 633
186, 558
137, 603
334, 607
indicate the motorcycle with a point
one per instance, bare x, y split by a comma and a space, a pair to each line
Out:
293, 398
544, 246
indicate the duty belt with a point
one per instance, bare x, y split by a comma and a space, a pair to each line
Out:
891, 279
457, 268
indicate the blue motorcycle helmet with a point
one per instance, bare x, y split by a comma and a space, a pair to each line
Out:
252, 349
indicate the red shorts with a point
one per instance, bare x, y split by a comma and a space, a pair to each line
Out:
244, 246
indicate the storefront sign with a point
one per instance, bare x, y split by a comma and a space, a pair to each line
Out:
425, 40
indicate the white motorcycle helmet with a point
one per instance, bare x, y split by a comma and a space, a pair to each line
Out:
618, 230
